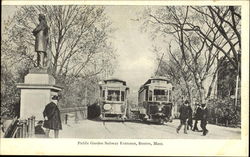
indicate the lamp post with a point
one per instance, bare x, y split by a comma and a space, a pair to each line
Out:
237, 79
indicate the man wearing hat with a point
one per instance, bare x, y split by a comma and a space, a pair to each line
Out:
52, 117
204, 118
197, 116
184, 115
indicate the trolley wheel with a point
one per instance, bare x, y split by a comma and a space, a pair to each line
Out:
161, 121
145, 120
123, 119
141, 116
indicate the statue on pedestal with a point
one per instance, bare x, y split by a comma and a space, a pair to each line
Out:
39, 85
41, 43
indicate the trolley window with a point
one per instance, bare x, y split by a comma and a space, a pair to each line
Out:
170, 96
145, 94
161, 95
113, 95
122, 96
150, 95
103, 93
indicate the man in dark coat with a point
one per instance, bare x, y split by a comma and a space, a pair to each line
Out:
66, 118
197, 116
204, 118
52, 117
184, 114
190, 118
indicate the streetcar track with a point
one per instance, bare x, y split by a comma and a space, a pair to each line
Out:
163, 129
106, 127
128, 126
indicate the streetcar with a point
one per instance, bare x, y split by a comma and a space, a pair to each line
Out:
155, 100
113, 99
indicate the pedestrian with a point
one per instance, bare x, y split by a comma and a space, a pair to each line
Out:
52, 117
2, 128
190, 118
38, 128
184, 114
66, 118
197, 116
76, 117
226, 116
204, 118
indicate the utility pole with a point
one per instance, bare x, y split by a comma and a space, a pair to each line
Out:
237, 78
159, 65
86, 94
85, 106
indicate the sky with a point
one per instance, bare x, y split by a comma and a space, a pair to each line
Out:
136, 61
135, 58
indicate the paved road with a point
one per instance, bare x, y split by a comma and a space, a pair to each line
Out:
91, 129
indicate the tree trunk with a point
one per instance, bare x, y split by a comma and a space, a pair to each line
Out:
211, 86
188, 91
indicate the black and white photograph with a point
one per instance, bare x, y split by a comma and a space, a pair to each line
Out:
145, 74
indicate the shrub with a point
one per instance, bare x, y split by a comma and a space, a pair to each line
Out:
224, 111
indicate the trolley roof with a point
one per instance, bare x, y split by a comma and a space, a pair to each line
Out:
159, 78
115, 79
155, 78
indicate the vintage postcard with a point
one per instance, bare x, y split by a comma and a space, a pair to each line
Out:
151, 78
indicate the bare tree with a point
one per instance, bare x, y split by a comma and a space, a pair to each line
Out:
225, 20
78, 37
198, 38
179, 74
78, 41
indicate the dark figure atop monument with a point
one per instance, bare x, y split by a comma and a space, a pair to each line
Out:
42, 38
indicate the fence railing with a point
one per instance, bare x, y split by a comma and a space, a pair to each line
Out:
21, 128
73, 109
77, 113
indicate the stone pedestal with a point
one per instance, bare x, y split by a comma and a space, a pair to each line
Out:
36, 93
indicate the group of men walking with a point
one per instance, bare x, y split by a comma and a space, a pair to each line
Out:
186, 117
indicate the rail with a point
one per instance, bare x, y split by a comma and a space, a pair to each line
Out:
21, 128
73, 109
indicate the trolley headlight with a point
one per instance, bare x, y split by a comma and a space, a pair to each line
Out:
160, 108
107, 107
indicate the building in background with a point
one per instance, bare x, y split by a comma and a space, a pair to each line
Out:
226, 80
